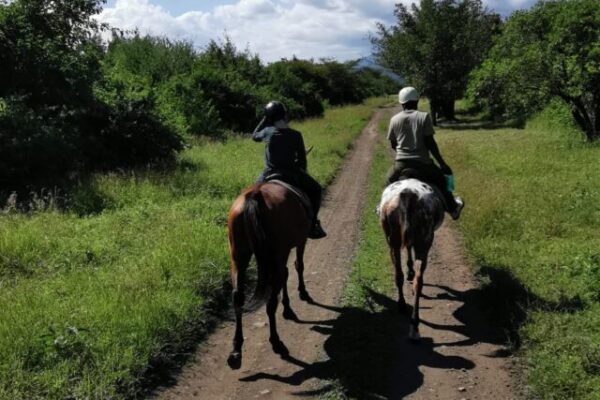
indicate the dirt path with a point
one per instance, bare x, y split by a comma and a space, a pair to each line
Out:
458, 358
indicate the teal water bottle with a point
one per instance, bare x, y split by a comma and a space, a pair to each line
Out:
449, 182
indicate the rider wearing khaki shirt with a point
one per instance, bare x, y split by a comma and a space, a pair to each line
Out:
409, 129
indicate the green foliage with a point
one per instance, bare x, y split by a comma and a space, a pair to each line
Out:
52, 122
224, 88
48, 52
182, 104
300, 81
552, 50
435, 45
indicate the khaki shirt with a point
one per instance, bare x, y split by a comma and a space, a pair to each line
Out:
409, 128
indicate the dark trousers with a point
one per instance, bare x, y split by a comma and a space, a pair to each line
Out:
300, 179
429, 173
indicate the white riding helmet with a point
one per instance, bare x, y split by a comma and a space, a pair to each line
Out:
407, 94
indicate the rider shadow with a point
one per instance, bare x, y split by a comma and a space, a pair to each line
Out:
369, 354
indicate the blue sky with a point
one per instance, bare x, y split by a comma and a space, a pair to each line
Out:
274, 29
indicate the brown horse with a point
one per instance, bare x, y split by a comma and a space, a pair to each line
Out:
410, 211
267, 220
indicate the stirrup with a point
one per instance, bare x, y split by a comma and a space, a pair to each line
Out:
316, 231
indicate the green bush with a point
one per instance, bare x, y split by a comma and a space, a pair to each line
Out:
54, 125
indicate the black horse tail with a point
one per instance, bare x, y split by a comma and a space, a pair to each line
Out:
408, 212
258, 238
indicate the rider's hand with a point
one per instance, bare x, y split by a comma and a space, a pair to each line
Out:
446, 169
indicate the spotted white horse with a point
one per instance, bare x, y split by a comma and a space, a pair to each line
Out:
410, 211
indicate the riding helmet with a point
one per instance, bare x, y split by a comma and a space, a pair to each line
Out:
275, 111
408, 94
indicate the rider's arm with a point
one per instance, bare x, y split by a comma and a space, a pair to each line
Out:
433, 148
259, 133
391, 136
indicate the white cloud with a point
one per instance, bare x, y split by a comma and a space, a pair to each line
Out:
274, 28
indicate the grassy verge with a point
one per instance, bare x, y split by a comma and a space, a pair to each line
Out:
93, 296
533, 213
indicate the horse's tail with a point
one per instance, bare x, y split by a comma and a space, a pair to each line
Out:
257, 236
408, 208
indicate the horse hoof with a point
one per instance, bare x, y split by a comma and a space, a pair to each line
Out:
304, 296
280, 348
289, 314
235, 360
413, 335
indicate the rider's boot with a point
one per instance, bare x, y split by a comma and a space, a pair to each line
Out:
316, 231
460, 204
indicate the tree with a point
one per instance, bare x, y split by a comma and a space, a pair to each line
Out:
52, 121
435, 45
552, 50
49, 51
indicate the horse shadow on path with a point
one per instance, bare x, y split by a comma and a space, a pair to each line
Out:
369, 354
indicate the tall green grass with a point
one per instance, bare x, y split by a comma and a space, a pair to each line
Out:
533, 211
93, 296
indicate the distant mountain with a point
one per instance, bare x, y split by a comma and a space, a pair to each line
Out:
369, 62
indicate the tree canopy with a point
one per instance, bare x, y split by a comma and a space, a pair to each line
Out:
435, 44
552, 50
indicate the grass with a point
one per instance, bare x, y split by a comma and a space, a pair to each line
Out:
96, 297
533, 211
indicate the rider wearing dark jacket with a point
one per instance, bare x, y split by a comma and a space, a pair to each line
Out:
285, 156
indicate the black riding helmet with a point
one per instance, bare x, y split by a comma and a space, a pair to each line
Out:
274, 111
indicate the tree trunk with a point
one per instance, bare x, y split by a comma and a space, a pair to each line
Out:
586, 116
448, 109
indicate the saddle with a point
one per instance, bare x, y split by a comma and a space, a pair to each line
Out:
278, 178
411, 173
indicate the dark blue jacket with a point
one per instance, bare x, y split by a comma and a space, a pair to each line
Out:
284, 148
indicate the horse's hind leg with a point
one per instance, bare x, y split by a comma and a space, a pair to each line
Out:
300, 270
410, 265
396, 259
239, 263
276, 343
288, 313
392, 235
413, 333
